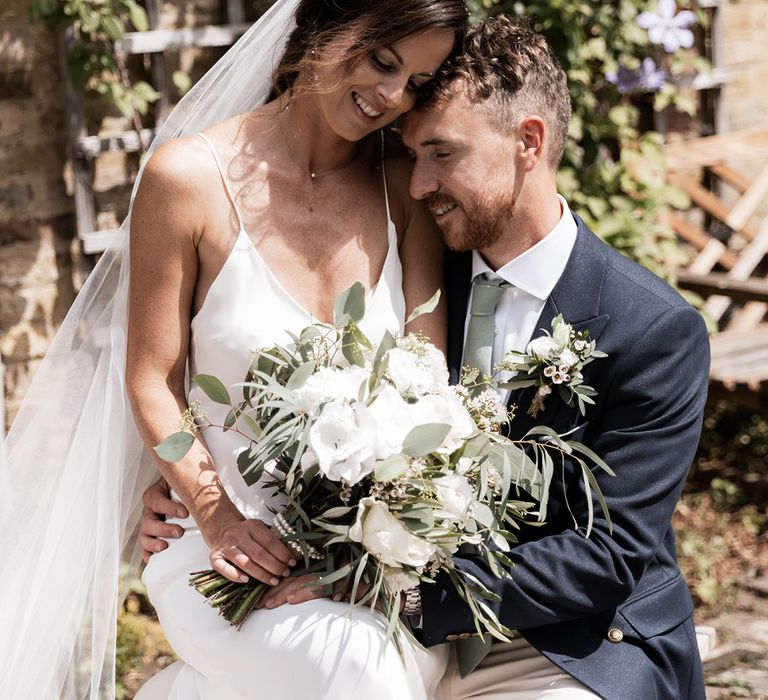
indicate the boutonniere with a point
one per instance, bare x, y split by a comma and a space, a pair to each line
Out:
554, 361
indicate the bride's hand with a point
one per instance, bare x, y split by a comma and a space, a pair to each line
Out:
244, 548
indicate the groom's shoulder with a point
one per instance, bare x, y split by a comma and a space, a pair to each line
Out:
628, 284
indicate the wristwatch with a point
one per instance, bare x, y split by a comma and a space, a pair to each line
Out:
412, 605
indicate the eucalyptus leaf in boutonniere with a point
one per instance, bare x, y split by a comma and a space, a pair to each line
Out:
553, 361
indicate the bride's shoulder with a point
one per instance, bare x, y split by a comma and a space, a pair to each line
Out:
179, 165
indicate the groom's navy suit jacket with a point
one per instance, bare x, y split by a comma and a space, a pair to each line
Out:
612, 610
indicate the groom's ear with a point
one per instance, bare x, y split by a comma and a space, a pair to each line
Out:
532, 134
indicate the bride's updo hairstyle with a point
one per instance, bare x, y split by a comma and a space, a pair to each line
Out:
356, 28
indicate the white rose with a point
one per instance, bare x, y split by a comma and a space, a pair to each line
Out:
384, 536
449, 410
326, 385
393, 421
344, 439
455, 495
398, 580
542, 347
561, 333
568, 358
416, 374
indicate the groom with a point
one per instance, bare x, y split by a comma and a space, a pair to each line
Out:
610, 615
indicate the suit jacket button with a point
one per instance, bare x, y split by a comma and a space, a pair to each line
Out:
451, 637
615, 635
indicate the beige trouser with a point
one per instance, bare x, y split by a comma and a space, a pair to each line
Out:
513, 671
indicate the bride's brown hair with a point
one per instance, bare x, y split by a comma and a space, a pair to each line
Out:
364, 25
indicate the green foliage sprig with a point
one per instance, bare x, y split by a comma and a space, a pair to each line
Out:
93, 61
613, 173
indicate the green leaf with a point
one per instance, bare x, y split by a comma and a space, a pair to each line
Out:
425, 308
175, 446
182, 80
144, 91
138, 16
350, 305
424, 439
300, 376
350, 348
213, 389
390, 468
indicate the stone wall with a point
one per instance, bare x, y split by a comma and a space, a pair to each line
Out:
36, 224
745, 36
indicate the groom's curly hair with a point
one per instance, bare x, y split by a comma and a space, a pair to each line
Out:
511, 71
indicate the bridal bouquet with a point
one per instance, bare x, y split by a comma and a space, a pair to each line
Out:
385, 469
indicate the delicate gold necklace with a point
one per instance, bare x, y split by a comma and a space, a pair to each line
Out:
314, 174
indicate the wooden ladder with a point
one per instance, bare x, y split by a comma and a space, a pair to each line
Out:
84, 147
730, 248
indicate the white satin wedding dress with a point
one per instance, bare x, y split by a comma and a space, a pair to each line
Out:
318, 650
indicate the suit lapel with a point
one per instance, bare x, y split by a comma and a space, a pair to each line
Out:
577, 297
458, 280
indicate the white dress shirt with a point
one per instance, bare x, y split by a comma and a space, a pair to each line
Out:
533, 275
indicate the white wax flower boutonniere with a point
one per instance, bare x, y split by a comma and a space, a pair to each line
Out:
554, 361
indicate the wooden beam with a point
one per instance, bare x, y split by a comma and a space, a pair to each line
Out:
738, 146
126, 141
711, 250
720, 283
735, 179
749, 201
708, 201
163, 39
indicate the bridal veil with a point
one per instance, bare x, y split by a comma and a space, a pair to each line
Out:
73, 466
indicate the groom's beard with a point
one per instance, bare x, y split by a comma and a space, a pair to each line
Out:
482, 221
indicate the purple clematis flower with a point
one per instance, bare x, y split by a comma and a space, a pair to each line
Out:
668, 27
647, 77
651, 78
624, 79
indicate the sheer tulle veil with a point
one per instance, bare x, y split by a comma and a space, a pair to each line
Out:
73, 467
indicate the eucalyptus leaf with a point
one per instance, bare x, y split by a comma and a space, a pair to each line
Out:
425, 308
423, 439
390, 468
213, 389
350, 305
175, 446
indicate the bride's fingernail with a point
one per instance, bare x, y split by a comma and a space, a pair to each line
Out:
287, 572
293, 562
274, 581
243, 579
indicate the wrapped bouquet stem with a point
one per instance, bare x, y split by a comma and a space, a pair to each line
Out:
386, 470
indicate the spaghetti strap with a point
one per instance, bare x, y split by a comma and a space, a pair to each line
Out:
227, 188
384, 175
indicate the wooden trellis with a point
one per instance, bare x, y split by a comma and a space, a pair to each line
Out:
84, 147
726, 177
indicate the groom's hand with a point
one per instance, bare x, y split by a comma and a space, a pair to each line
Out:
154, 530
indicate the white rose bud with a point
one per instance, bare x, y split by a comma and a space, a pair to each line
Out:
542, 347
384, 536
561, 334
456, 496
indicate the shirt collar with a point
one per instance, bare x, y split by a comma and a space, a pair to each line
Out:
537, 270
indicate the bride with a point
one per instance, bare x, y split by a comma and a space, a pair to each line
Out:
243, 233
246, 223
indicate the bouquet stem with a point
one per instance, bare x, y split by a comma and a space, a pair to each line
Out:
234, 601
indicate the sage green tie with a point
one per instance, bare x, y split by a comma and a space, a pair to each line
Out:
478, 345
